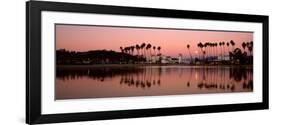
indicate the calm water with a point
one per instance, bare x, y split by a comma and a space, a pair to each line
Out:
126, 81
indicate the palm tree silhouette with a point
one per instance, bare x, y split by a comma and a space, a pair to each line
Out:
205, 50
159, 48
154, 50
210, 46
244, 46
148, 46
252, 43
132, 49
223, 43
200, 45
250, 47
220, 44
125, 49
232, 44
214, 49
188, 46
216, 45
227, 44
137, 48
143, 51
121, 49
129, 49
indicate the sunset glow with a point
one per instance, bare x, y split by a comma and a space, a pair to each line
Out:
172, 41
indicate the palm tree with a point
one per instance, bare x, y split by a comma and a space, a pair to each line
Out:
232, 44
223, 43
252, 43
216, 45
137, 48
200, 45
159, 48
125, 49
244, 46
220, 44
129, 50
143, 51
205, 50
214, 49
122, 51
121, 48
188, 46
250, 47
148, 46
154, 50
132, 49
212, 45
227, 44
159, 54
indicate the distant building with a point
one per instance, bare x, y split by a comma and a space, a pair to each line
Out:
169, 60
180, 58
164, 59
174, 60
225, 58
186, 60
155, 59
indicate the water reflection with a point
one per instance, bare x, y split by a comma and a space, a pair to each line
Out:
117, 81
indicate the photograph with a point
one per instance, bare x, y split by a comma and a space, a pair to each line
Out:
88, 62
101, 61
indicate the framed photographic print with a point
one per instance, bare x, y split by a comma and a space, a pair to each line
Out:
95, 62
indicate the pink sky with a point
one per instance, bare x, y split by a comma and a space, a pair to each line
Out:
172, 41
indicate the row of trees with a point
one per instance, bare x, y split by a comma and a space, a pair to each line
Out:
214, 50
144, 50
95, 57
209, 52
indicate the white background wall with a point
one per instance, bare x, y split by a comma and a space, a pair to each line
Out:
12, 61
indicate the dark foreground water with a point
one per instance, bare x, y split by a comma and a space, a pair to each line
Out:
128, 81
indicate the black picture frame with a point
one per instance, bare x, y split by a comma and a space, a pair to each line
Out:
33, 61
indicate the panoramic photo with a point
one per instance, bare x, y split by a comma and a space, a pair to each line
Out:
114, 61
